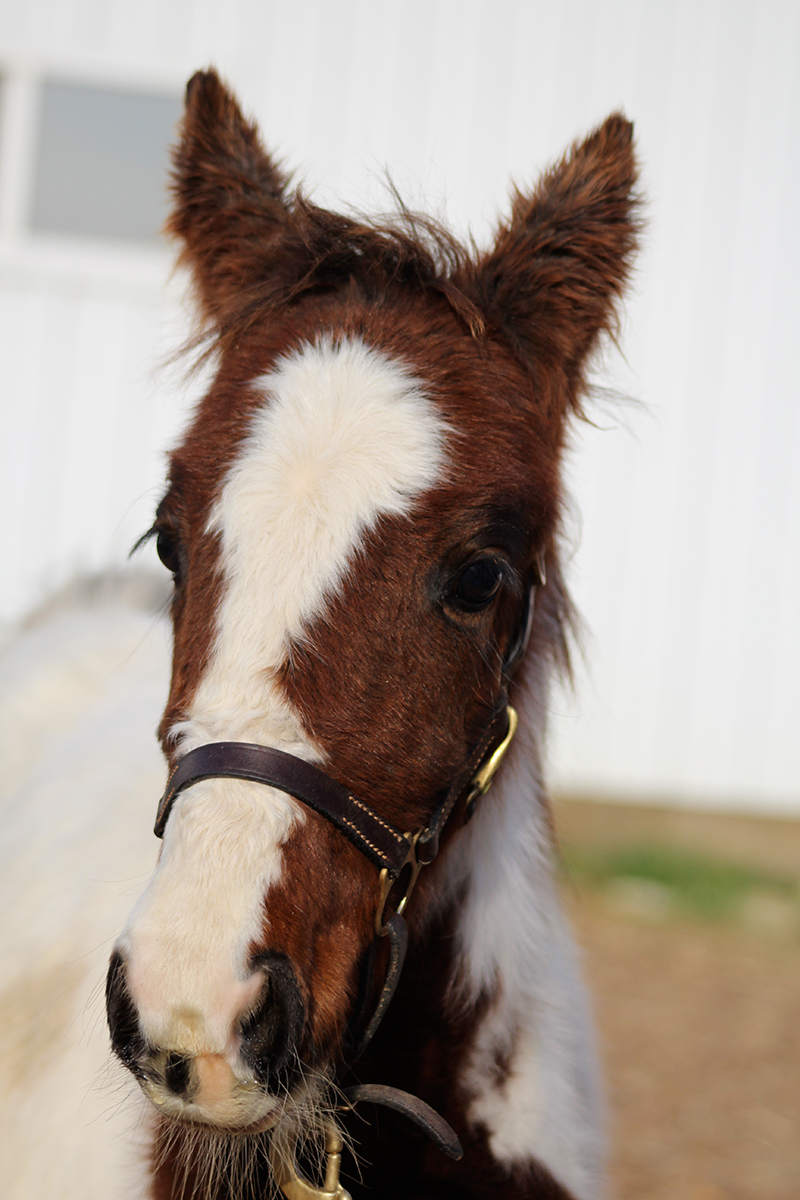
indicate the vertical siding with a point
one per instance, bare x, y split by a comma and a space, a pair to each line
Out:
85, 426
687, 559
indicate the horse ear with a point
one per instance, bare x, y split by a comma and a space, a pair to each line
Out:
229, 197
559, 265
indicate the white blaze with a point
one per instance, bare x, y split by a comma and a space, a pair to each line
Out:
344, 437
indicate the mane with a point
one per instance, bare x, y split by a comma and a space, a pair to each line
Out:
317, 252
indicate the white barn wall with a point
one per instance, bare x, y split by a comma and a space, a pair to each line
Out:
688, 563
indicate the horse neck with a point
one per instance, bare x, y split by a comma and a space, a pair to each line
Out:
500, 865
487, 923
492, 991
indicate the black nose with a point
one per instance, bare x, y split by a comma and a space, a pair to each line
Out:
126, 1037
271, 1031
177, 1074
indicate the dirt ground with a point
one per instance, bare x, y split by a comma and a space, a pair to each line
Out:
700, 1035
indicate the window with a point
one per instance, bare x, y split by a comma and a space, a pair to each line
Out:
102, 161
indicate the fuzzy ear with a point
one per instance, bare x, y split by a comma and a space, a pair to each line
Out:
229, 198
558, 267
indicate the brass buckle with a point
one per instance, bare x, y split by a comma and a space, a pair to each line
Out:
292, 1183
482, 779
386, 880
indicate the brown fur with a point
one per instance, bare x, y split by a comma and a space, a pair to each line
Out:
394, 687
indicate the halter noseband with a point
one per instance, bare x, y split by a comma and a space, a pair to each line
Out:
386, 847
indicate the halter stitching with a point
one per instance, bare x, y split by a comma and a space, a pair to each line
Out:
398, 837
356, 830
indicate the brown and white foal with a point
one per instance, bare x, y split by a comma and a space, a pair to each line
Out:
361, 509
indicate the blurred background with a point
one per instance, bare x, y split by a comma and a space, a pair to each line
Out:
675, 760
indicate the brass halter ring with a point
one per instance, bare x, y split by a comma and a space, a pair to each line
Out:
481, 782
387, 879
483, 777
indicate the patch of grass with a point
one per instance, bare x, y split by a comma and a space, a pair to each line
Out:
700, 886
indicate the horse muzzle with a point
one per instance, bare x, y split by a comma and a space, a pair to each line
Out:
239, 1084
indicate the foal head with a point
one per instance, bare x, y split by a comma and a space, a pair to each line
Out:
354, 522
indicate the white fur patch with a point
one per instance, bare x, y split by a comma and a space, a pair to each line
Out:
75, 848
344, 437
514, 940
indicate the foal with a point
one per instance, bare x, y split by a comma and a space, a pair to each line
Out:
362, 525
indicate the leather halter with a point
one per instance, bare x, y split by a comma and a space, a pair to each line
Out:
389, 850
383, 845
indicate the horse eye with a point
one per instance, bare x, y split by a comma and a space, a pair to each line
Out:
476, 585
168, 553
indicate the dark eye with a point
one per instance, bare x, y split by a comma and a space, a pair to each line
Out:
476, 585
167, 551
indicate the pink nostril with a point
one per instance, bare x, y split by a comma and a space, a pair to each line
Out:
215, 1080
